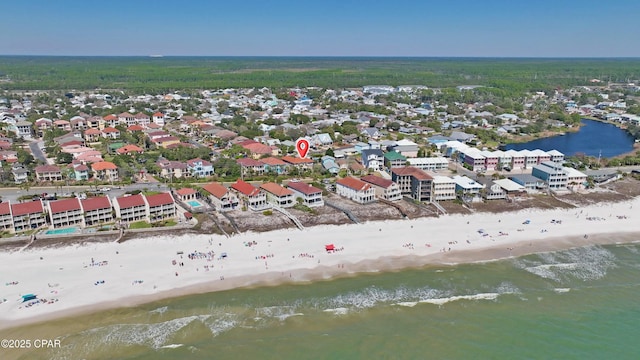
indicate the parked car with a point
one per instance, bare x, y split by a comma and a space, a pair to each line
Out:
105, 189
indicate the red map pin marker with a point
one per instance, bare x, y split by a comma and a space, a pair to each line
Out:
302, 146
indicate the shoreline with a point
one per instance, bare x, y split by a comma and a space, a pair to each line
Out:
288, 257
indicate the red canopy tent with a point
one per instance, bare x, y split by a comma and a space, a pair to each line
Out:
330, 247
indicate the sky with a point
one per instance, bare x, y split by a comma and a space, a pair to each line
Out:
456, 28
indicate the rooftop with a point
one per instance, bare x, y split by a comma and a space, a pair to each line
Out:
276, 189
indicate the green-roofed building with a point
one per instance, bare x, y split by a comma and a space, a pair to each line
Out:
394, 159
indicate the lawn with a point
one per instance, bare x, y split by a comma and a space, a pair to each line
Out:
139, 225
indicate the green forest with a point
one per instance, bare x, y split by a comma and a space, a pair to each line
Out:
159, 75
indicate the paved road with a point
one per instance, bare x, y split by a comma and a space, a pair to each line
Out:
35, 150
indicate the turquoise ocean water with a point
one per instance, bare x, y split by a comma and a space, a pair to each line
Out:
575, 304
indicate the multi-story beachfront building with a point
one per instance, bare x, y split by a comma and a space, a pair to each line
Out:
131, 208
277, 195
553, 175
221, 198
6, 219
97, 210
444, 188
356, 190
468, 187
67, 212
413, 182
160, 206
28, 215
311, 196
384, 188
253, 198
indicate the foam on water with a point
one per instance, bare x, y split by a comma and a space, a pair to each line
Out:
562, 290
442, 301
585, 264
160, 310
407, 303
337, 311
154, 335
171, 346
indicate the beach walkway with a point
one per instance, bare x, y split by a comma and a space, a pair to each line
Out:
290, 216
347, 212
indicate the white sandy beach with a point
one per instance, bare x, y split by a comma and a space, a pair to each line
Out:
80, 279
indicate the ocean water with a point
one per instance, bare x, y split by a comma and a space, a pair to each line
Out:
575, 304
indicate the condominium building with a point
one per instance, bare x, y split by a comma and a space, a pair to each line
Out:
413, 182
160, 206
28, 215
131, 208
67, 212
97, 210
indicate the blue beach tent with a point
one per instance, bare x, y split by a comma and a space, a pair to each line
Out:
28, 297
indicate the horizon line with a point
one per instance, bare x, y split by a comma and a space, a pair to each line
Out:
160, 56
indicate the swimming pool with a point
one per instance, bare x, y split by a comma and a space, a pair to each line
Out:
70, 230
194, 203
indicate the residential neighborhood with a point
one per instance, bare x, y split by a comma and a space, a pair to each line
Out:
232, 150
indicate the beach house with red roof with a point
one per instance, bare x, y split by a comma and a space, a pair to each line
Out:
92, 135
278, 195
110, 121
250, 166
97, 210
105, 171
257, 149
300, 163
160, 206
311, 196
275, 165
221, 198
166, 141
48, 173
413, 182
252, 197
384, 188
95, 122
66, 212
80, 171
28, 215
110, 133
42, 125
355, 190
62, 125
158, 118
142, 119
6, 219
186, 194
126, 119
134, 128
131, 208
130, 149
172, 169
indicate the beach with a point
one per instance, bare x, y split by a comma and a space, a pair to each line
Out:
86, 278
